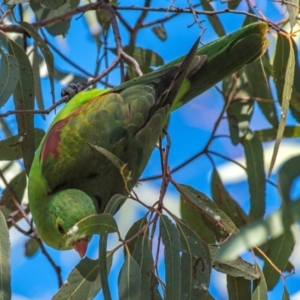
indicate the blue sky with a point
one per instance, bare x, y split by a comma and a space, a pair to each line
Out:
190, 127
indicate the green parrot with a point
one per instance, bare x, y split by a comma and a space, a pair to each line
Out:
70, 180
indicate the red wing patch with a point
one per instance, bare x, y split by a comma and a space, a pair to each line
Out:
52, 140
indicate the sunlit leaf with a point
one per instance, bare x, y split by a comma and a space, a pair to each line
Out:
260, 231
266, 135
171, 240
130, 280
293, 10
83, 282
256, 174
286, 65
5, 279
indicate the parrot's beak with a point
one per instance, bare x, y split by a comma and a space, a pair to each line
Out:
80, 246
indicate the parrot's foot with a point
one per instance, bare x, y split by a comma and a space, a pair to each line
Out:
72, 89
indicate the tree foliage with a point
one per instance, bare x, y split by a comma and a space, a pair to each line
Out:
213, 230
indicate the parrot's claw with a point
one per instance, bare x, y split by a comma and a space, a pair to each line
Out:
72, 89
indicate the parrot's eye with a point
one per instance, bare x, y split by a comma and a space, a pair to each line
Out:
60, 228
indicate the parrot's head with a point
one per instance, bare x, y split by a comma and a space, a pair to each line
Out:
64, 210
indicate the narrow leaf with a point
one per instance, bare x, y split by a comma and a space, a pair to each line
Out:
130, 280
5, 285
114, 204
83, 282
195, 221
143, 256
237, 267
9, 76
286, 95
194, 267
293, 10
11, 148
238, 288
256, 175
93, 224
24, 99
213, 19
160, 32
44, 49
31, 247
207, 207
225, 202
260, 290
171, 241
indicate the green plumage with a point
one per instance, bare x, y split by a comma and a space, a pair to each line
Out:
70, 179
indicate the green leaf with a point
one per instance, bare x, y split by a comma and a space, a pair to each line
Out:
83, 282
213, 19
36, 61
266, 135
293, 10
238, 288
114, 204
237, 267
160, 32
225, 202
16, 187
287, 66
130, 280
143, 256
256, 175
103, 17
52, 4
5, 288
11, 148
233, 4
259, 81
194, 267
288, 172
260, 231
31, 247
207, 207
24, 99
171, 240
133, 230
9, 76
93, 224
239, 115
144, 57
260, 290
285, 295
104, 270
44, 49
279, 251
194, 219
42, 13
